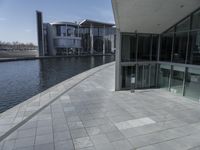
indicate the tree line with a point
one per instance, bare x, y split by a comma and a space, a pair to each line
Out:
17, 46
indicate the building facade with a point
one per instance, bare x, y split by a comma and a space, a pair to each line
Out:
158, 45
67, 38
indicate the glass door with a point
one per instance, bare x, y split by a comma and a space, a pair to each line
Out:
143, 76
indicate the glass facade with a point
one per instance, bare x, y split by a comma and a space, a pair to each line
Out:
170, 60
166, 47
128, 46
194, 48
192, 84
139, 47
100, 37
164, 76
127, 72
177, 79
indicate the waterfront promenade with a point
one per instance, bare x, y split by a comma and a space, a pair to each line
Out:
85, 113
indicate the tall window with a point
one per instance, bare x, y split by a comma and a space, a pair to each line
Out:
194, 48
166, 47
196, 20
183, 26
144, 47
128, 48
154, 47
58, 30
180, 47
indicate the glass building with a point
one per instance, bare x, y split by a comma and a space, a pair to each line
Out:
158, 45
88, 37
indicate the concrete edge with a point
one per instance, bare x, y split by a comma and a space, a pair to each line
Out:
19, 124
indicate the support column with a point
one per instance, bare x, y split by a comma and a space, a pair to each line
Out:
157, 65
104, 42
118, 61
91, 40
40, 33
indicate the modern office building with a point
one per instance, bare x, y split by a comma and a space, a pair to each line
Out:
158, 45
67, 38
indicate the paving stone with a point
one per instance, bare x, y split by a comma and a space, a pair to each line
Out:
26, 133
99, 139
64, 145
93, 130
78, 133
105, 146
44, 139
49, 146
115, 136
84, 142
61, 136
122, 144
24, 142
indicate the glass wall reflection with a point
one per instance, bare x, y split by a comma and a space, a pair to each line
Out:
128, 48
164, 75
127, 72
192, 84
177, 80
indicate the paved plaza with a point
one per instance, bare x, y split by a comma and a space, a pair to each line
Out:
92, 116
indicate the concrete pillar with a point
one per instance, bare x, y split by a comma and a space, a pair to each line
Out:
104, 40
118, 61
50, 45
91, 40
112, 42
40, 33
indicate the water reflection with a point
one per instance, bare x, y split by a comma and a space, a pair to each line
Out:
20, 80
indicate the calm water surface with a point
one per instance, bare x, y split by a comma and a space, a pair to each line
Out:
20, 80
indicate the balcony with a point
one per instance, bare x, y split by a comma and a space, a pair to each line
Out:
67, 42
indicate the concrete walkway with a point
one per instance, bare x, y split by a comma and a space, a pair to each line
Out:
91, 116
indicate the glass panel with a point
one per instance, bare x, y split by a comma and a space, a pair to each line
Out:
180, 47
58, 30
153, 76
98, 44
146, 76
196, 20
154, 47
139, 76
183, 26
177, 81
166, 47
144, 47
86, 40
128, 48
164, 75
171, 30
95, 31
192, 84
127, 72
101, 31
194, 48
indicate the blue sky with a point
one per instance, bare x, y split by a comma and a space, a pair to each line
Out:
18, 20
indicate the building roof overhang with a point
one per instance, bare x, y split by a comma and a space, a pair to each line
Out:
151, 16
88, 23
64, 23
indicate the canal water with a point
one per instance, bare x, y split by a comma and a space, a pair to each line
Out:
20, 80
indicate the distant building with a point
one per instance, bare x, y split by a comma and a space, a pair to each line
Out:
67, 38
